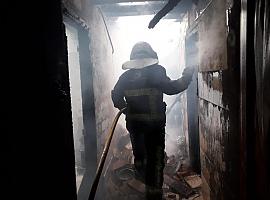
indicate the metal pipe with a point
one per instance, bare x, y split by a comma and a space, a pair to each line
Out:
106, 27
103, 156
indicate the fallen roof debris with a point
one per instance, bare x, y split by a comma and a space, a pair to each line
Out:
165, 10
180, 182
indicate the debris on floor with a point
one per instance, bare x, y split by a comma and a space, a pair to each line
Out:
171, 196
180, 182
194, 181
178, 186
137, 185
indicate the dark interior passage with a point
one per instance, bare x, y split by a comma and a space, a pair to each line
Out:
60, 109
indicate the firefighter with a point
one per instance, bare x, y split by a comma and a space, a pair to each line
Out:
141, 89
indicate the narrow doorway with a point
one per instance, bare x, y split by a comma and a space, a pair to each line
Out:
76, 100
82, 103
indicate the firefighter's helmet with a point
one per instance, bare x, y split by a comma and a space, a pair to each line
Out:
142, 50
142, 55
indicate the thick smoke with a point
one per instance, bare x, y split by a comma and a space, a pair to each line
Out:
168, 40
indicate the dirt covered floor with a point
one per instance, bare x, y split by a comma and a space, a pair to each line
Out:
180, 182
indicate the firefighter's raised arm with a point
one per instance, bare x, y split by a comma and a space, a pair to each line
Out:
171, 87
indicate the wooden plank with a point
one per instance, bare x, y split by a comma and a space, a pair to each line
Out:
194, 181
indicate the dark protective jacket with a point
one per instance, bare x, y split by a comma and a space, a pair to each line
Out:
141, 91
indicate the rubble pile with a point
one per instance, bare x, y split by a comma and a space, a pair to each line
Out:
180, 182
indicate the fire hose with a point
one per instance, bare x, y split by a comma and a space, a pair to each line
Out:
103, 156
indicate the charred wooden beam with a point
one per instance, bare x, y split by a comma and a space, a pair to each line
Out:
115, 10
151, 8
183, 7
165, 10
101, 2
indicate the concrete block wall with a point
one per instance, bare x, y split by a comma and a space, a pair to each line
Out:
102, 61
218, 101
101, 56
219, 134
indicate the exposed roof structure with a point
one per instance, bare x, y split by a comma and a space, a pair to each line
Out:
117, 8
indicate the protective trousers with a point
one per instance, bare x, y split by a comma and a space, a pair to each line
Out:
148, 143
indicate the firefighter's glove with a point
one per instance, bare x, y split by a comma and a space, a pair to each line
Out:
188, 73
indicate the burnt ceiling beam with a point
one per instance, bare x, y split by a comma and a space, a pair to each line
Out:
114, 10
177, 17
164, 11
101, 2
129, 10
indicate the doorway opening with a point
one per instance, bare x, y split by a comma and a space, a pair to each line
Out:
82, 104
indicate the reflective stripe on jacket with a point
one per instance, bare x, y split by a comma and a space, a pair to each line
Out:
152, 112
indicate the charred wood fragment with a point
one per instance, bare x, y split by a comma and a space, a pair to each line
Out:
165, 10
